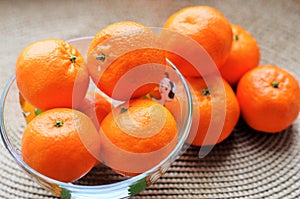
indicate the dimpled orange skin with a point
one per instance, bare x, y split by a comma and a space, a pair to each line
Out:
265, 107
203, 112
47, 77
207, 26
244, 56
58, 151
125, 46
142, 112
140, 109
113, 30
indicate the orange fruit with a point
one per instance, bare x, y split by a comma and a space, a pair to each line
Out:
138, 135
29, 111
206, 99
60, 143
208, 27
244, 55
96, 106
269, 97
51, 73
120, 54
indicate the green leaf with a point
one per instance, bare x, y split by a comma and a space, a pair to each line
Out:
37, 111
138, 187
65, 194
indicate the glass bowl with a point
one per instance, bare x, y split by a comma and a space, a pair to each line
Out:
101, 181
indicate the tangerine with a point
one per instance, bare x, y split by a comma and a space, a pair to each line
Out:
137, 135
61, 144
120, 54
209, 28
51, 73
244, 55
205, 99
269, 97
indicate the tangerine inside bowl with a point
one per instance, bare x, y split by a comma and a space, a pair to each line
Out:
101, 181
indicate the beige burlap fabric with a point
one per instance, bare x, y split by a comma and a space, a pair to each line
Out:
248, 164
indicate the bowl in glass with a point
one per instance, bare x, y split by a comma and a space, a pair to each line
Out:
101, 181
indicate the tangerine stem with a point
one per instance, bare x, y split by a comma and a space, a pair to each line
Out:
275, 84
58, 123
123, 109
205, 92
235, 37
73, 58
101, 57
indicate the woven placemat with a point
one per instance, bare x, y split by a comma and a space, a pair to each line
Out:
248, 164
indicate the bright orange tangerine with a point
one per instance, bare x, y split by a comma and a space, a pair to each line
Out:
61, 143
51, 73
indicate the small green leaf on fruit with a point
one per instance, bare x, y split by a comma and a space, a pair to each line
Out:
37, 111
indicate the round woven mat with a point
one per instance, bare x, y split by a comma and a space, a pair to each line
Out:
248, 164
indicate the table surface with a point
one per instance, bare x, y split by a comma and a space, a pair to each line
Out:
246, 165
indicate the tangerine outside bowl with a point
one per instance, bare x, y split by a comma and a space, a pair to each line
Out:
101, 181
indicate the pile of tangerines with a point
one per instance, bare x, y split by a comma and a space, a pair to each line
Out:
62, 140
